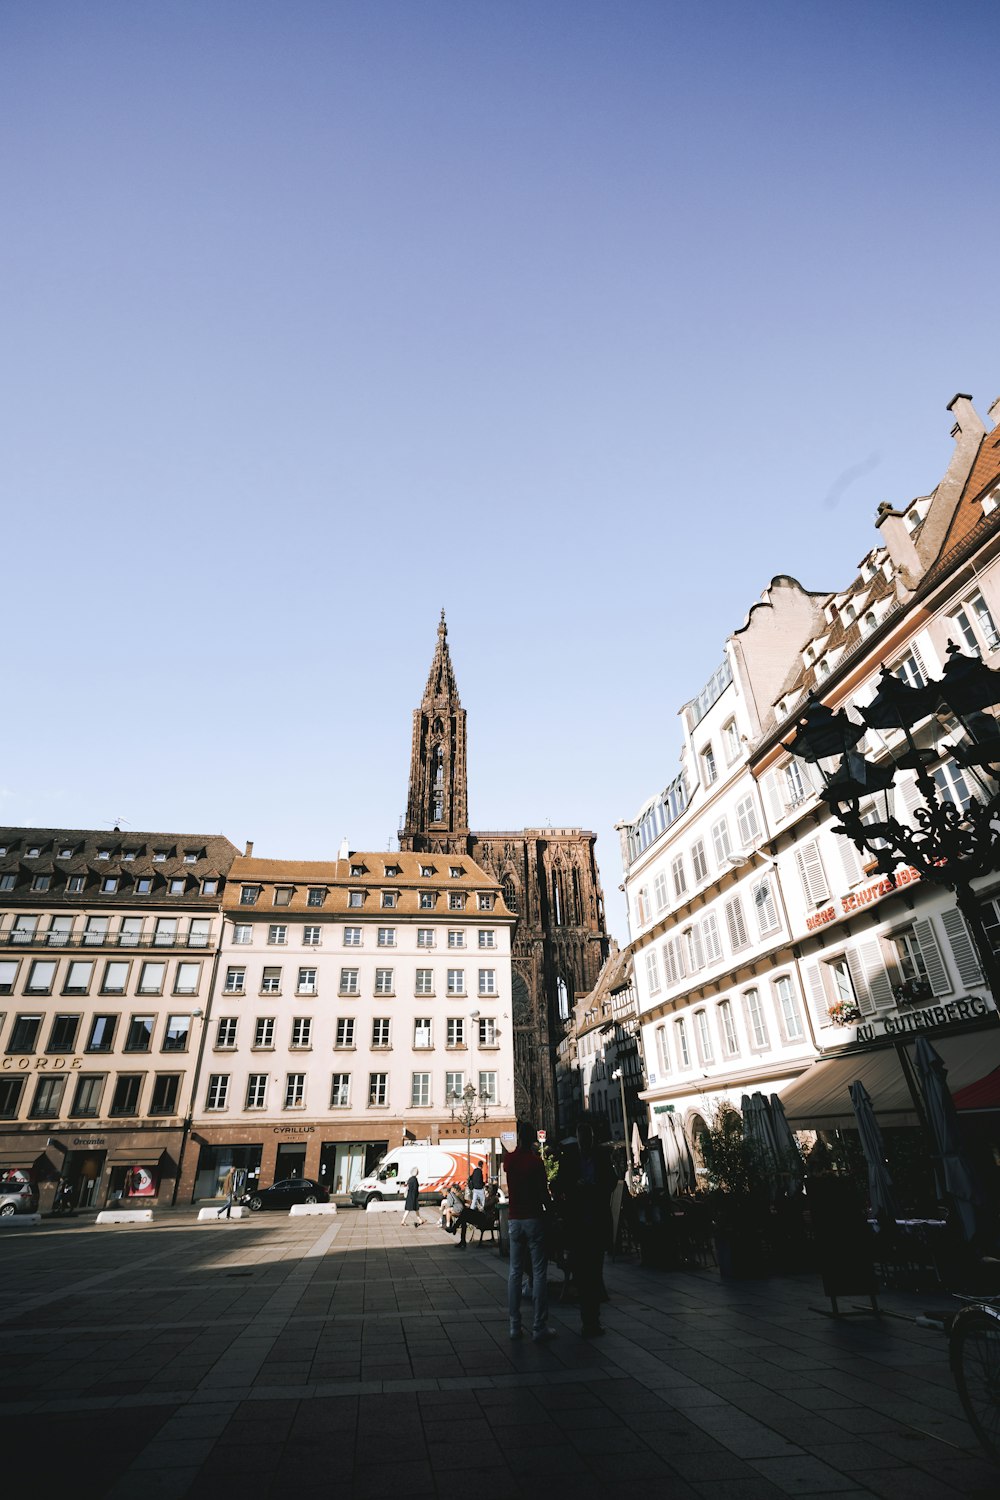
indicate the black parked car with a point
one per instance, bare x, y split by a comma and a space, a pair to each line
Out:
286, 1192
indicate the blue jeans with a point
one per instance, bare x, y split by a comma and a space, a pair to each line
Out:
527, 1238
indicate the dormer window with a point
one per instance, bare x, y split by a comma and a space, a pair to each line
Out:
33, 851
282, 895
316, 896
389, 898
427, 871
848, 614
249, 894
456, 872
128, 855
823, 669
391, 870
64, 853
159, 856
991, 500
485, 901
104, 853
357, 871
869, 622
190, 856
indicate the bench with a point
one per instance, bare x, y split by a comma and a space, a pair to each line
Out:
487, 1221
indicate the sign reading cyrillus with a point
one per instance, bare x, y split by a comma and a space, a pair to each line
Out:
867, 896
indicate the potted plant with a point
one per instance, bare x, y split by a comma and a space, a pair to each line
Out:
737, 1196
844, 1012
912, 991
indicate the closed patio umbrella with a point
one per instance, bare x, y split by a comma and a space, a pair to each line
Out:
953, 1173
676, 1156
788, 1147
880, 1189
759, 1131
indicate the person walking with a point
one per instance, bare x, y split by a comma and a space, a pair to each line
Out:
586, 1182
412, 1204
477, 1187
528, 1189
226, 1211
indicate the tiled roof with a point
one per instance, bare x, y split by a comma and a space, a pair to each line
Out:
969, 515
336, 879
214, 854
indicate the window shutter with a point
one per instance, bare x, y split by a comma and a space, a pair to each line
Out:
775, 800
811, 775
850, 859
736, 923
910, 799
877, 976
817, 994
937, 973
962, 948
915, 653
814, 882
857, 971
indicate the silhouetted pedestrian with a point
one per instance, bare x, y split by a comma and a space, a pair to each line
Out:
529, 1196
412, 1204
585, 1183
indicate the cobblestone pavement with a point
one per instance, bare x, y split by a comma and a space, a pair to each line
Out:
278, 1356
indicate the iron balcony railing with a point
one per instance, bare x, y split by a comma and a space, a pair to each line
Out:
20, 938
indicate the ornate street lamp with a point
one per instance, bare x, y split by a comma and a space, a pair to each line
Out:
950, 845
470, 1107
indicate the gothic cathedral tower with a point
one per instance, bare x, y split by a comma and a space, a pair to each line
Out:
437, 807
549, 878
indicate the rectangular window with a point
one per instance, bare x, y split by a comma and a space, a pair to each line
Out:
352, 937
756, 1024
302, 1031
311, 937
102, 1034
256, 1091
984, 619
456, 901
678, 876
263, 1032
487, 938
345, 1031
166, 932
788, 1009
316, 896
187, 979
380, 1031
48, 1098
427, 900
165, 1089
42, 883
487, 981
24, 1034
78, 978
702, 1031
43, 972
125, 1099
420, 1090
730, 741
242, 933
295, 1090
696, 951
249, 895
11, 1090
389, 899
270, 982
96, 932
746, 822
699, 861
952, 784
139, 1037
175, 1037
348, 981
355, 898
767, 911
653, 972
115, 977
683, 1049
488, 1087
340, 1091
210, 887
660, 896
736, 924
305, 982
454, 1083
487, 1031
143, 885
727, 1024
709, 769
62, 1037
282, 895
812, 876
218, 1091
225, 1035
8, 973
456, 981
710, 938
456, 939
721, 842
87, 1097
277, 934
455, 1031
177, 887
425, 982
199, 932
235, 979
383, 982
422, 1032
130, 932
60, 931
485, 901
378, 1088
425, 937
151, 978
662, 1050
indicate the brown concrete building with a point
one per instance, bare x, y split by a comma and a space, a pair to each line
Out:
549, 878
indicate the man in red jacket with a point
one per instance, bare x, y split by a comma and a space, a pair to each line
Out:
528, 1190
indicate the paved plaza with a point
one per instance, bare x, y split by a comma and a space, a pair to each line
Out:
350, 1356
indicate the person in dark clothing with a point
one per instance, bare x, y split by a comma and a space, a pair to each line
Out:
412, 1204
529, 1197
586, 1182
477, 1187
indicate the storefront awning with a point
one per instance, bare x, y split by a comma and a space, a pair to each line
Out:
17, 1163
820, 1100
136, 1156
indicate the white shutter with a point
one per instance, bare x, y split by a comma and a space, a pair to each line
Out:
915, 653
850, 859
910, 799
817, 994
775, 800
811, 775
877, 975
736, 923
814, 882
937, 973
865, 1003
962, 948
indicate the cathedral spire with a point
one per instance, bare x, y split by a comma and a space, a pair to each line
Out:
437, 807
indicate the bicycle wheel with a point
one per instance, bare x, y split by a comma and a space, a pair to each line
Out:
974, 1353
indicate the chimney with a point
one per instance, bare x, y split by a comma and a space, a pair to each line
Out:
898, 543
993, 412
344, 851
968, 422
249, 849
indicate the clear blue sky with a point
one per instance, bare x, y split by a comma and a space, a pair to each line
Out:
581, 320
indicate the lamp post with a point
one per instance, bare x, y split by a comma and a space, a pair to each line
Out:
470, 1107
951, 844
619, 1073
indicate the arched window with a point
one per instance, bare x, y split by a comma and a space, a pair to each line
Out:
556, 899
510, 893
437, 757
562, 997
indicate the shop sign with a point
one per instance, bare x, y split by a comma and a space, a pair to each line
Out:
844, 906
294, 1129
57, 1064
931, 1018
92, 1141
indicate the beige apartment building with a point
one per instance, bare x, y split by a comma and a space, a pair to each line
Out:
108, 943
353, 1000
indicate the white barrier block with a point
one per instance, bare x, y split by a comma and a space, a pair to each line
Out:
125, 1216
213, 1213
302, 1210
19, 1221
382, 1207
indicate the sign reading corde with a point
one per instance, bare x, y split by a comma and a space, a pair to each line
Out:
57, 1064
867, 896
928, 1019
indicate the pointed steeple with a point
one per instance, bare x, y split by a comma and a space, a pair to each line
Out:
437, 807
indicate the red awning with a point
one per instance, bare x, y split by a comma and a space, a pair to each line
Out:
983, 1094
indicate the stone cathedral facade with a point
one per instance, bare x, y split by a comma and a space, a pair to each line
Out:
549, 878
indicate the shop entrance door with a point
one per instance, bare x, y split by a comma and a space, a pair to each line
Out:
290, 1162
82, 1170
342, 1164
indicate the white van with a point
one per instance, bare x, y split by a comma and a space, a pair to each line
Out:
437, 1168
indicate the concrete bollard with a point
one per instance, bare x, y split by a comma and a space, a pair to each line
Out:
308, 1210
206, 1215
19, 1221
125, 1216
382, 1207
